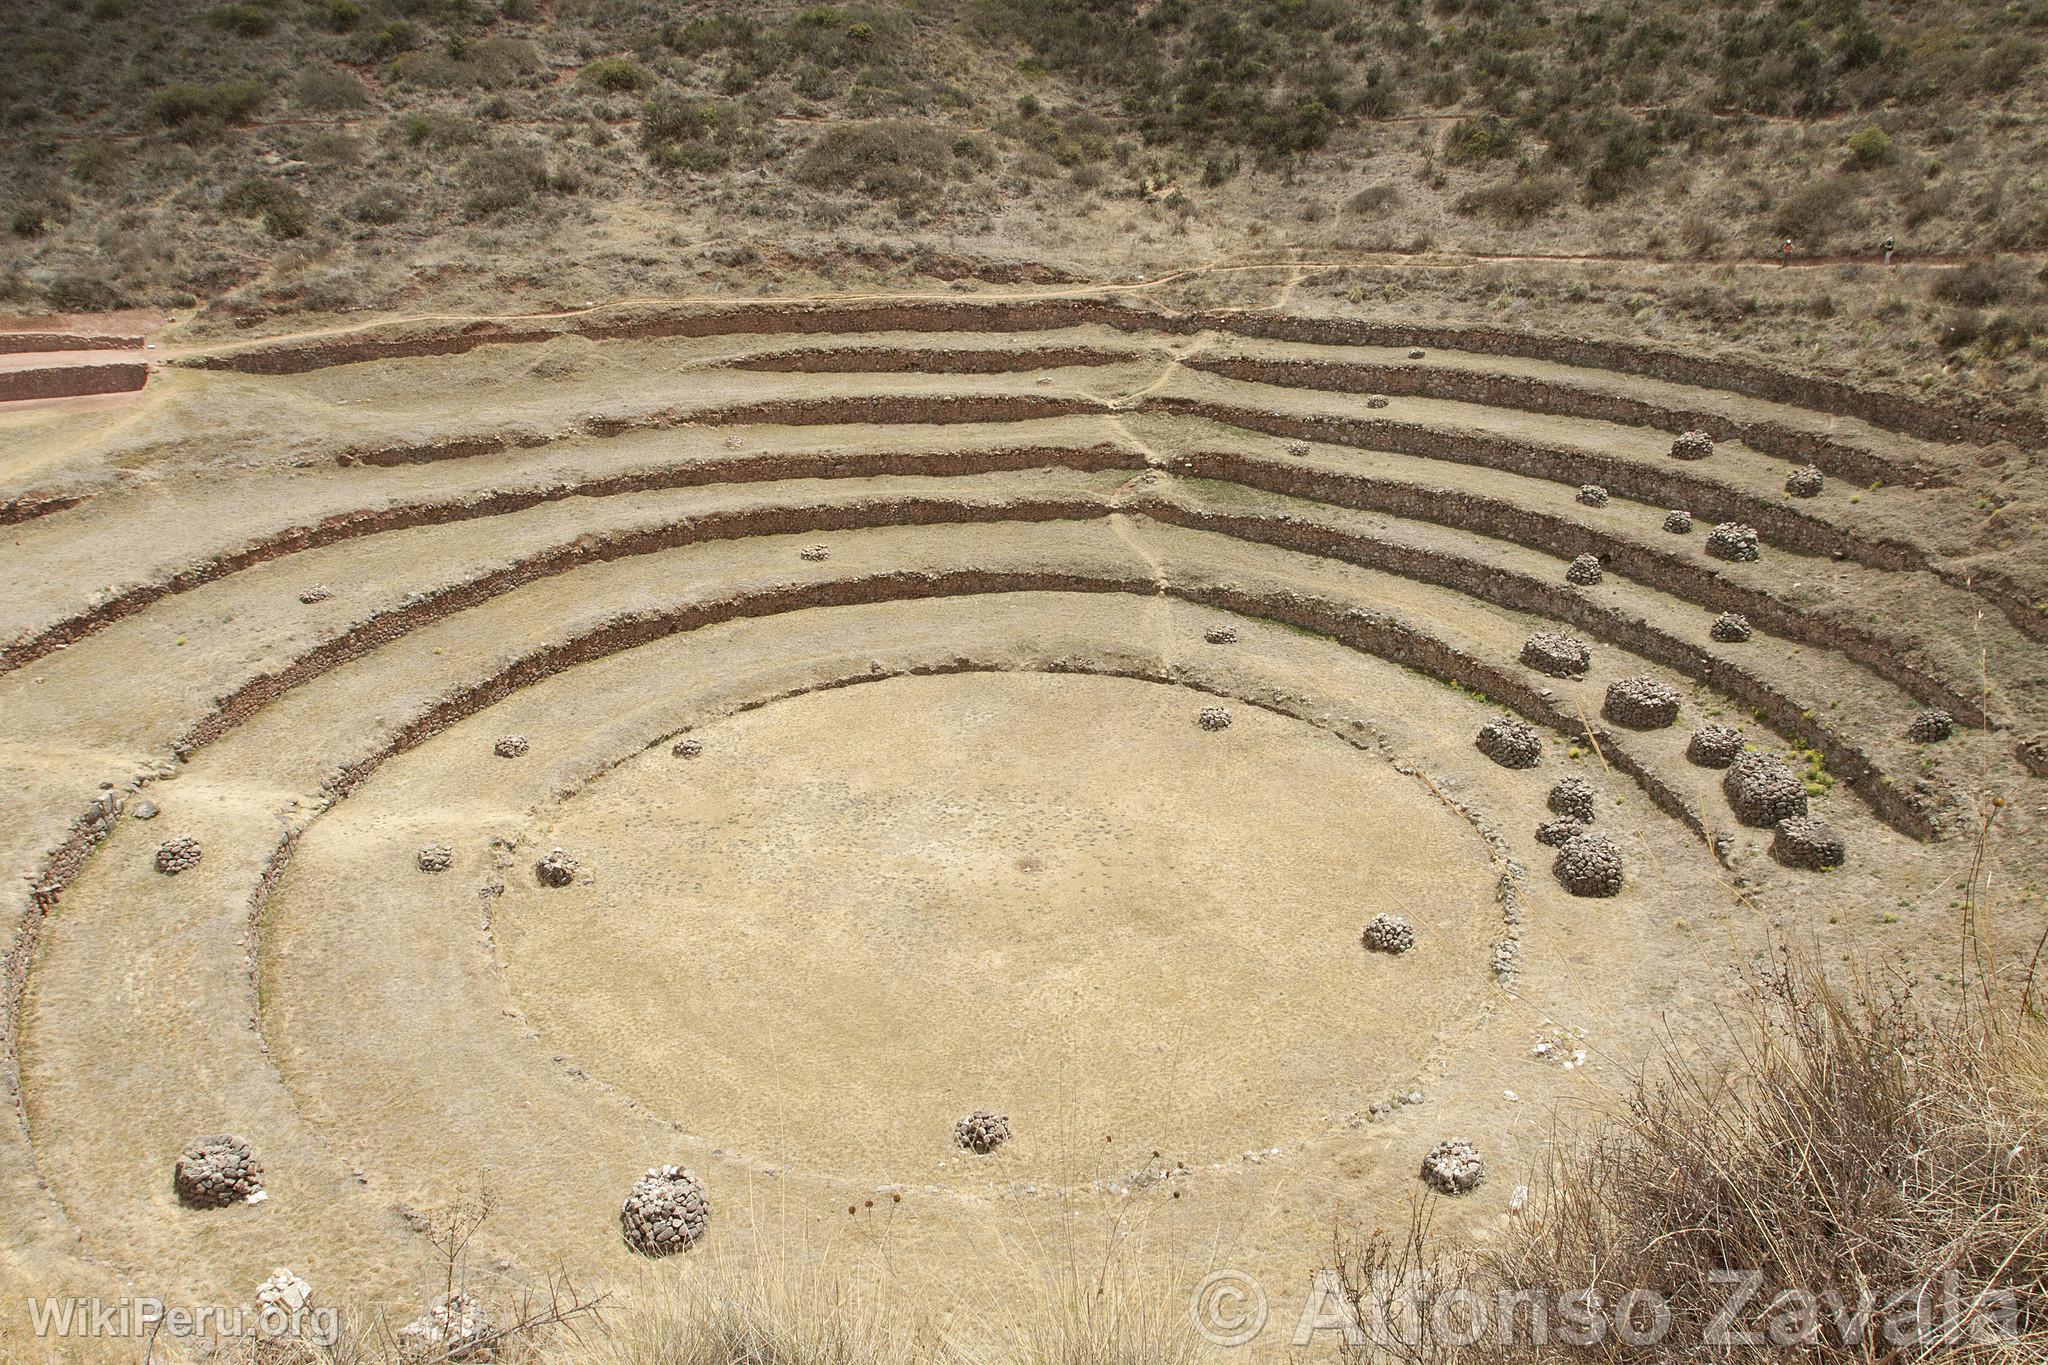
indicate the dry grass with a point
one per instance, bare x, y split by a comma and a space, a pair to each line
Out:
1856, 1147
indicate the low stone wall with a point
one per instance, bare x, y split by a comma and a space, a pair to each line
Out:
935, 315
906, 360
738, 468
1414, 379
387, 626
39, 343
1549, 534
1650, 484
1911, 415
71, 381
1519, 592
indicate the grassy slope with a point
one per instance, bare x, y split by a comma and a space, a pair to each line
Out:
332, 155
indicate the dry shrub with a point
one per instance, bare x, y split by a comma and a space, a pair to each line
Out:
1854, 1148
718, 1315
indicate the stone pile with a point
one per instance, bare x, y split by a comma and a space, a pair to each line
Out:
1761, 790
557, 868
982, 1131
1714, 745
1730, 628
1453, 1167
1389, 934
665, 1212
180, 854
1575, 797
1589, 865
1931, 726
1511, 742
1734, 542
1692, 445
1557, 654
1803, 841
217, 1171
1641, 703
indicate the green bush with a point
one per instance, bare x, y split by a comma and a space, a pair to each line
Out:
695, 136
1481, 137
329, 90
439, 129
1869, 148
615, 75
342, 15
504, 177
1518, 199
247, 21
284, 211
895, 159
227, 102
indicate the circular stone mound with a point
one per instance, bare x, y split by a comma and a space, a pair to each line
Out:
1559, 832
666, 1211
511, 746
1714, 745
688, 748
814, 554
1678, 523
557, 868
1802, 841
1584, 571
319, 592
1417, 353
1804, 482
1730, 628
457, 1327
1511, 742
1220, 635
1297, 447
180, 854
1213, 718
1559, 655
1574, 797
1692, 445
1931, 726
436, 858
1454, 1167
1592, 495
1378, 400
1761, 790
1388, 934
1641, 703
1733, 541
982, 1131
217, 1171
1589, 865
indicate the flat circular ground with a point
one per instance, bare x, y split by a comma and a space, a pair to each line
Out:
862, 913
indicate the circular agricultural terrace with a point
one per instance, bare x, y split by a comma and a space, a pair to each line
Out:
912, 771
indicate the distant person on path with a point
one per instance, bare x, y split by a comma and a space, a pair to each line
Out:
1889, 244
1785, 252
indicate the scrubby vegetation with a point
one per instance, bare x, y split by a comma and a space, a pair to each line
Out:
1057, 130
1862, 1176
